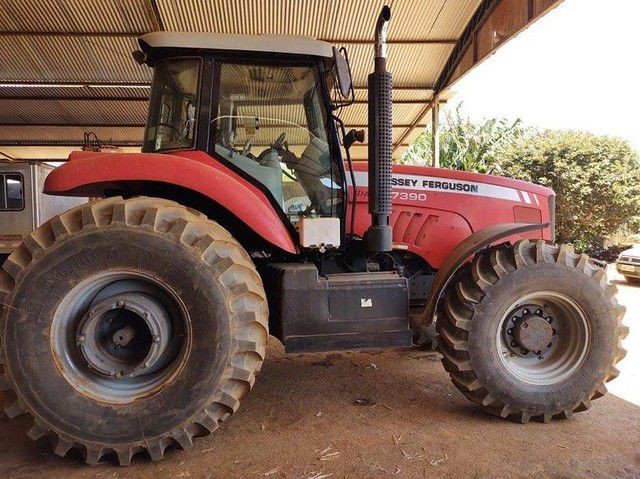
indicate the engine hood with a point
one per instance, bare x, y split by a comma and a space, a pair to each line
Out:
456, 181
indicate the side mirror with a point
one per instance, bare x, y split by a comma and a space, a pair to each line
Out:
343, 73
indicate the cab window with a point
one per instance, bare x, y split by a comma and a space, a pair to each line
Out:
172, 118
271, 123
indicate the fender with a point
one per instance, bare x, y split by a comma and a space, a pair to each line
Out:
463, 251
87, 173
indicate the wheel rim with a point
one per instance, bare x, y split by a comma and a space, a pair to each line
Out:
544, 338
120, 336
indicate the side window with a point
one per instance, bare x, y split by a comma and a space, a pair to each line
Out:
174, 97
271, 123
11, 192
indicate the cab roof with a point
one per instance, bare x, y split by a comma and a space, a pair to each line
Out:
292, 44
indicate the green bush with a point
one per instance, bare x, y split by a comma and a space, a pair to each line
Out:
467, 145
596, 180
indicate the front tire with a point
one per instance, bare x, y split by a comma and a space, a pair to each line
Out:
531, 331
130, 326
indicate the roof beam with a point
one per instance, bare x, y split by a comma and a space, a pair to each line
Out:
75, 98
141, 125
27, 33
462, 45
69, 143
68, 84
8, 157
76, 125
491, 26
142, 99
158, 24
425, 41
416, 122
97, 84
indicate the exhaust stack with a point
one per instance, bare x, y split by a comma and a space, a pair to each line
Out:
379, 234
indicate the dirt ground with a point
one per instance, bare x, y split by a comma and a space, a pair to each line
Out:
379, 414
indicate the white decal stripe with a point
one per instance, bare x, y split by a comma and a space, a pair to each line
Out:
525, 195
535, 198
443, 185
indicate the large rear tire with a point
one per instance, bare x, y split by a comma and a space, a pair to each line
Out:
129, 326
531, 331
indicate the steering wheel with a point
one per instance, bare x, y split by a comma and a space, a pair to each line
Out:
279, 143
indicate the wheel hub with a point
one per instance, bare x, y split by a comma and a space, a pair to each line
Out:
530, 331
533, 333
125, 335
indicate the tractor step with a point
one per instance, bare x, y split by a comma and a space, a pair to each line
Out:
336, 312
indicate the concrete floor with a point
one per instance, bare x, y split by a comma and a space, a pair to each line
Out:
382, 414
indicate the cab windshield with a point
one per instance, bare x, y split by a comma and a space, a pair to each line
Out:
271, 122
172, 116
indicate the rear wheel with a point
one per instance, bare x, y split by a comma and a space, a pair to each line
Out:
130, 326
531, 331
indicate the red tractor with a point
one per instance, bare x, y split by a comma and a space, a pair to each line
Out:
139, 321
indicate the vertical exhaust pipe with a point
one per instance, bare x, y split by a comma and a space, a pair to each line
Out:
380, 85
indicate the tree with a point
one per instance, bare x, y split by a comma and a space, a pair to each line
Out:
596, 180
465, 145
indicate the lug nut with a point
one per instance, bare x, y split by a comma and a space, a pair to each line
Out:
514, 319
524, 351
549, 319
81, 338
156, 339
539, 312
540, 357
120, 304
513, 344
525, 325
510, 331
536, 352
526, 311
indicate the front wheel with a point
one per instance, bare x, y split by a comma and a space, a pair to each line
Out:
130, 326
531, 331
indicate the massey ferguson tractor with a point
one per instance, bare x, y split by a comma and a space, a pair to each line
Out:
139, 321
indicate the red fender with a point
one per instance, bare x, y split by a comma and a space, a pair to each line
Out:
195, 170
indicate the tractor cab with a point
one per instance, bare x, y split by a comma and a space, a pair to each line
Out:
261, 105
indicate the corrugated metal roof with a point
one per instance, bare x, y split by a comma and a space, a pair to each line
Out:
67, 133
71, 59
75, 16
73, 112
90, 42
325, 19
78, 91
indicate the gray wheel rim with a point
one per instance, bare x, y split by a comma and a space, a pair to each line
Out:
566, 350
120, 336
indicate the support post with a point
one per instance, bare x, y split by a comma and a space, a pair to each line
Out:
435, 132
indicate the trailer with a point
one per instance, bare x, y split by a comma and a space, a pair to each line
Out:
23, 205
